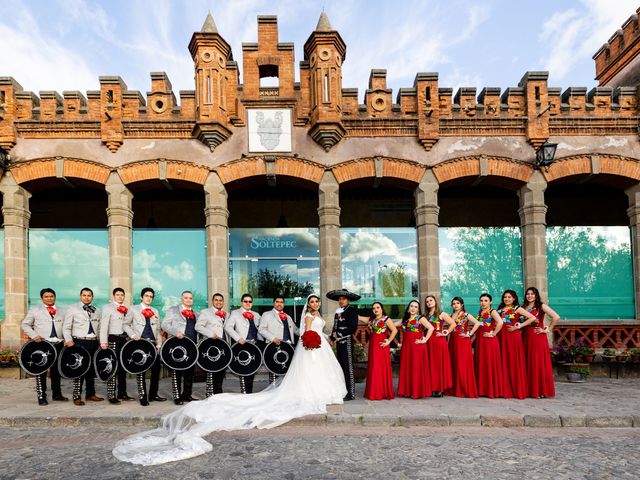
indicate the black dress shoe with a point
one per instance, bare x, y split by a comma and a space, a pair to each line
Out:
157, 398
177, 401
189, 399
114, 401
125, 398
348, 398
60, 398
144, 402
43, 401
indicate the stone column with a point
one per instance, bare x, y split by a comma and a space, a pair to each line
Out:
533, 225
120, 224
217, 237
634, 221
330, 264
426, 212
15, 209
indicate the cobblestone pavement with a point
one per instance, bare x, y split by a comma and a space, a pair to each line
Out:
336, 452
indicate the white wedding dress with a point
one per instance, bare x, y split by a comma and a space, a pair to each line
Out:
313, 381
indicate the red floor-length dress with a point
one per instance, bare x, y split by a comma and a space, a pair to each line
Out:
487, 359
514, 369
538, 359
379, 379
439, 360
463, 375
415, 378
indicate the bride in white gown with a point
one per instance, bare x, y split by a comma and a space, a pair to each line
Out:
313, 381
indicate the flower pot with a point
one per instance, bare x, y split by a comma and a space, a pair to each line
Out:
574, 377
578, 358
588, 358
608, 358
622, 358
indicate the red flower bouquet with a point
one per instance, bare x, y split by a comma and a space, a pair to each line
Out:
311, 340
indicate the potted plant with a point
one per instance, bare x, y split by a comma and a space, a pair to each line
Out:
635, 355
587, 353
577, 374
623, 356
608, 355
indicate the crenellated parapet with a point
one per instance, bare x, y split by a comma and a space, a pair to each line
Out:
217, 107
616, 61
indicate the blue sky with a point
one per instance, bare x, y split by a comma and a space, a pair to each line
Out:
66, 44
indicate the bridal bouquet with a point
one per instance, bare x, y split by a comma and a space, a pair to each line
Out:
311, 340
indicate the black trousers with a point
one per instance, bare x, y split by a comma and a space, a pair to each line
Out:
55, 376
154, 382
214, 382
116, 342
88, 378
183, 384
345, 358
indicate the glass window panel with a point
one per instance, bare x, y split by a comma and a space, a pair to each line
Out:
590, 272
170, 261
269, 261
1, 274
68, 260
380, 264
475, 260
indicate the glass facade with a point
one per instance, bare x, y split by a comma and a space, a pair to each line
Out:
590, 272
68, 260
273, 261
380, 264
170, 261
475, 260
1, 274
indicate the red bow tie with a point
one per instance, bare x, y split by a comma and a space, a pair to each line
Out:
221, 314
188, 314
248, 316
52, 311
147, 313
122, 309
282, 315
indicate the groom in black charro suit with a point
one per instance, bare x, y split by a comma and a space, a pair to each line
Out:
345, 324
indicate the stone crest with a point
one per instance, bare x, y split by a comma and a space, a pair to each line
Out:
269, 130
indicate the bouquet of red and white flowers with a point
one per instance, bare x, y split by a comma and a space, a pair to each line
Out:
311, 340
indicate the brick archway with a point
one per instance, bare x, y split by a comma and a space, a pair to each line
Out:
164, 170
72, 168
257, 167
480, 165
593, 164
393, 168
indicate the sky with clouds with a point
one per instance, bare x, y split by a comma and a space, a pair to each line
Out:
66, 44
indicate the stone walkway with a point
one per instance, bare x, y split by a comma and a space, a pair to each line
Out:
597, 403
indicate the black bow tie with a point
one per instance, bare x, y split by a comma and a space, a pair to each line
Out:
90, 309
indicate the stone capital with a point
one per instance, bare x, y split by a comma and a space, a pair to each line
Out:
533, 209
15, 203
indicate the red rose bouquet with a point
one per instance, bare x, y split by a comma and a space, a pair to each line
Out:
311, 340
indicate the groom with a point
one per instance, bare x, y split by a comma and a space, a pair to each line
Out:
345, 325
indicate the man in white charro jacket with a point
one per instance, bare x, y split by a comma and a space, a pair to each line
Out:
276, 326
210, 324
44, 322
143, 321
242, 326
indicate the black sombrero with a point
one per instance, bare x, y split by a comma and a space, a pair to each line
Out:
277, 358
137, 356
179, 353
105, 364
37, 357
246, 359
343, 292
213, 355
74, 362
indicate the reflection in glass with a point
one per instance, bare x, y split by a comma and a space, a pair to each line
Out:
273, 261
590, 272
68, 260
474, 260
380, 264
170, 261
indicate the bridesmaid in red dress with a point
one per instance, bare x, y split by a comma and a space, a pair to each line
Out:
439, 360
464, 379
487, 351
536, 346
379, 379
514, 369
415, 378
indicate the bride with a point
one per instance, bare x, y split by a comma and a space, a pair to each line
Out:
313, 381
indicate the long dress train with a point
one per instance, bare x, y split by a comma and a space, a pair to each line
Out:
313, 381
